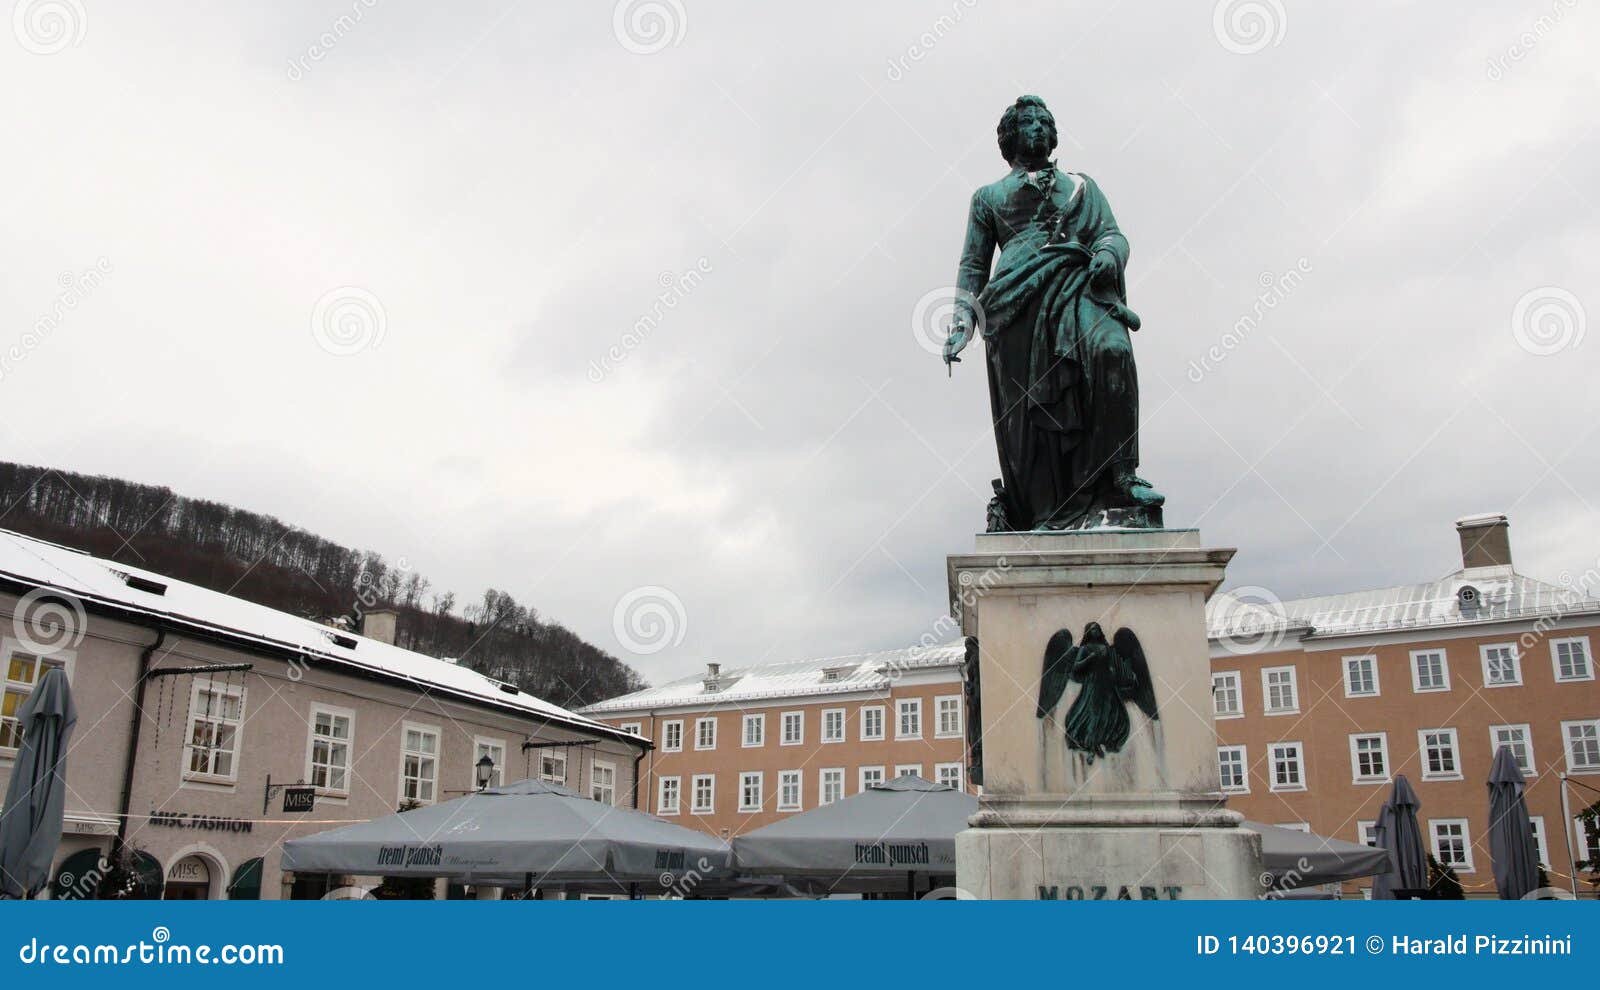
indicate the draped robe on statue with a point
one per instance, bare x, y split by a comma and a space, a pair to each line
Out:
1062, 387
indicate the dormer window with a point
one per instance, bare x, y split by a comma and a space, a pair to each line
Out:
1469, 598
830, 674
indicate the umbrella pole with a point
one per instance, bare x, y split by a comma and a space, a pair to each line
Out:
911, 885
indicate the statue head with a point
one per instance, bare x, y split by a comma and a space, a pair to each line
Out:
1092, 633
1027, 131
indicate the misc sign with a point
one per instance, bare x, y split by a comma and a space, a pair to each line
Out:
296, 799
200, 823
190, 869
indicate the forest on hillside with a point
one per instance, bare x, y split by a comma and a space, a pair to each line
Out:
265, 560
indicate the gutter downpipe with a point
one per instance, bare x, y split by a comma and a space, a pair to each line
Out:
125, 805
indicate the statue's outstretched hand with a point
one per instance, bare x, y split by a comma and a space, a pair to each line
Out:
960, 337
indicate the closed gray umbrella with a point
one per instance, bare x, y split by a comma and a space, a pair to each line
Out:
500, 836
878, 840
1399, 833
1300, 859
30, 827
1510, 832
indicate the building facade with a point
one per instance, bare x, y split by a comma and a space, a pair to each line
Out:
739, 748
245, 715
1320, 702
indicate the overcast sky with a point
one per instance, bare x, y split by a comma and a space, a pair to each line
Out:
377, 269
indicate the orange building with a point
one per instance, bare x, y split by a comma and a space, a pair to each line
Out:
739, 748
1320, 702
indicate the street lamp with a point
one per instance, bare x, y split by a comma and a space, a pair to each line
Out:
485, 771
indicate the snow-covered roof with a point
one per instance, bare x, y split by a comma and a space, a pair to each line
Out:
824, 676
1501, 595
107, 583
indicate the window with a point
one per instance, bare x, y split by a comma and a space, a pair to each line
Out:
1451, 845
1231, 770
908, 770
871, 723
830, 785
1571, 659
705, 794
1288, 767
1438, 748
634, 727
1583, 745
833, 725
871, 777
672, 736
1367, 833
705, 733
909, 722
948, 773
1588, 841
948, 708
750, 791
419, 762
1430, 671
1501, 665
794, 728
1519, 738
1543, 849
495, 750
216, 713
789, 790
328, 749
553, 767
755, 730
23, 671
1278, 685
1369, 758
1360, 676
669, 795
603, 782
1226, 699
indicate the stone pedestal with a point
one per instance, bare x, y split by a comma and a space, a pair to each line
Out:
1146, 820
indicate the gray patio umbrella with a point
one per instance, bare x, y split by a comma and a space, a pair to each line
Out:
1399, 833
886, 838
1300, 859
1511, 845
30, 827
530, 833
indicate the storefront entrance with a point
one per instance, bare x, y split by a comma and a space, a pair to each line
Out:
189, 879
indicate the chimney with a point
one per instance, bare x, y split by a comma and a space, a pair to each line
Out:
1485, 540
380, 624
713, 676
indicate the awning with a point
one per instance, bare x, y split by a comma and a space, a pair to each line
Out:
1299, 859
